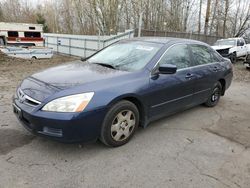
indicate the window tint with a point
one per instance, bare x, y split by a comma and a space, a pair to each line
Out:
12, 34
32, 34
177, 55
202, 55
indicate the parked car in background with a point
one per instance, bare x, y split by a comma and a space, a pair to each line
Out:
127, 84
231, 48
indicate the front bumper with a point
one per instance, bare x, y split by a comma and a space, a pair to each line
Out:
64, 127
247, 62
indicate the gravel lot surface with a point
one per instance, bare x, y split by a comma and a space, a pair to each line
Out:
201, 147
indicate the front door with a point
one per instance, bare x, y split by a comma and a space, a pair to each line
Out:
172, 92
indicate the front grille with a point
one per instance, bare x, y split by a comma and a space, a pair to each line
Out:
23, 98
223, 52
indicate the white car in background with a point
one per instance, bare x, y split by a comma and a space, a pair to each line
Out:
232, 48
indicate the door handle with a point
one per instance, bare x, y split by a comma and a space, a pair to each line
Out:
215, 69
189, 76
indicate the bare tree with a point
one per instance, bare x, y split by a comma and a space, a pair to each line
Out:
222, 17
225, 17
244, 18
207, 17
199, 22
215, 14
1, 13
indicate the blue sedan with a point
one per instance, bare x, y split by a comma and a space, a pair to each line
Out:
128, 84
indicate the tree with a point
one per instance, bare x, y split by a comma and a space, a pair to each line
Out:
215, 14
199, 24
41, 20
225, 17
1, 13
207, 17
222, 17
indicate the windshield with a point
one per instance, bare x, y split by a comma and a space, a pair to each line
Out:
127, 56
225, 42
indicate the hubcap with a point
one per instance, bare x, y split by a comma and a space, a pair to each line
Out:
123, 125
215, 95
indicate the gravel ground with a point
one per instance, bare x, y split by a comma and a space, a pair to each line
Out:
201, 147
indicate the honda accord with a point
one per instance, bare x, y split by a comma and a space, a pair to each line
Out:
128, 84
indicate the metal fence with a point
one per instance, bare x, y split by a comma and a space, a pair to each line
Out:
82, 45
86, 45
204, 38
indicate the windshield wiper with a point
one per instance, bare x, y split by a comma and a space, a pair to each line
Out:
106, 65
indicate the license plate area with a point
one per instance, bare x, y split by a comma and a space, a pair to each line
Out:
17, 111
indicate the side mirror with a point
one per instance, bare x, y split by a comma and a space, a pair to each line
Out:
83, 58
167, 69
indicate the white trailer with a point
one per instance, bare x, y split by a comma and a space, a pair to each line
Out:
22, 34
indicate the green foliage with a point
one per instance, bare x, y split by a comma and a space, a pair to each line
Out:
40, 19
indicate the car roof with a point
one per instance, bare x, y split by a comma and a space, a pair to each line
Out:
165, 40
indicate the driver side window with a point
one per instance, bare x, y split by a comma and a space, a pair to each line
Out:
177, 55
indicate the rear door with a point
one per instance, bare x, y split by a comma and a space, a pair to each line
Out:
172, 92
206, 70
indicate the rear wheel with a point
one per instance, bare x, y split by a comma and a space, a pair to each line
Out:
214, 96
120, 124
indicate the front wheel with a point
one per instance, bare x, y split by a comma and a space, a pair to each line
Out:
233, 58
214, 96
119, 124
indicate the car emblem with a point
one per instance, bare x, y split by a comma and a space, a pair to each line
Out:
21, 96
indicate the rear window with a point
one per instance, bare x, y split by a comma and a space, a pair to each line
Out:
201, 54
12, 34
32, 34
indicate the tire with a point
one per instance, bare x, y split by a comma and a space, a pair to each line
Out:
120, 124
214, 96
233, 58
33, 58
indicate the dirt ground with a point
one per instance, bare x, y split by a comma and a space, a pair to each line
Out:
201, 147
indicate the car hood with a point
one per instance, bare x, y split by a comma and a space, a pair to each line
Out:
222, 47
50, 81
75, 73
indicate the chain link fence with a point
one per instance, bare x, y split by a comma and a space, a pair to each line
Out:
200, 37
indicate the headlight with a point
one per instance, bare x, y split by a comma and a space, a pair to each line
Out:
72, 103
